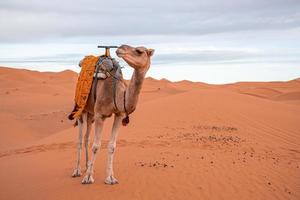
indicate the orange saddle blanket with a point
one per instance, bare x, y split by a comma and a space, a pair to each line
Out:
84, 84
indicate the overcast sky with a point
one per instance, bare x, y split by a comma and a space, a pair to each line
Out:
215, 41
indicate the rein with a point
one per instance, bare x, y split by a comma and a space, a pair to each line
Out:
116, 78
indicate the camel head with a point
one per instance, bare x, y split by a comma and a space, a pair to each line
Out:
137, 57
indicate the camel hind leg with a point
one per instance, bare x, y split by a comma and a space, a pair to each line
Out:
81, 122
90, 119
88, 178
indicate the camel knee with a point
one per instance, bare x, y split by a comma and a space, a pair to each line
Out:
86, 144
79, 145
95, 148
111, 147
86, 140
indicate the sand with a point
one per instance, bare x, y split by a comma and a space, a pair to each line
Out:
186, 140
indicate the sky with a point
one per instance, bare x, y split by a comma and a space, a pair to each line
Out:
213, 41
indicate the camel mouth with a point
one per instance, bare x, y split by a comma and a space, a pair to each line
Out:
120, 55
120, 52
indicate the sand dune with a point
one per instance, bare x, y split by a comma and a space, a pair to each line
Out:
32, 100
289, 96
283, 91
186, 140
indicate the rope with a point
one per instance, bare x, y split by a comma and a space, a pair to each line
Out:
116, 78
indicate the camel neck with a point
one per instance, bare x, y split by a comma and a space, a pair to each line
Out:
134, 89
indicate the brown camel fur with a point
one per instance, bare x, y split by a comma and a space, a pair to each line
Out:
139, 59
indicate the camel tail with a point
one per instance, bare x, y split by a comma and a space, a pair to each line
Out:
71, 116
75, 124
73, 112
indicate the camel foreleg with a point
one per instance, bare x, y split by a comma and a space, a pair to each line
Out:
111, 150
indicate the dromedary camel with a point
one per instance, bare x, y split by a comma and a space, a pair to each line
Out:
103, 106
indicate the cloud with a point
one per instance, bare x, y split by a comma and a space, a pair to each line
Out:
35, 20
183, 56
217, 40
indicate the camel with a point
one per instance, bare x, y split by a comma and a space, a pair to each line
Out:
103, 106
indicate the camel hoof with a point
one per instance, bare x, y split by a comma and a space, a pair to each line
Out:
88, 179
111, 180
76, 173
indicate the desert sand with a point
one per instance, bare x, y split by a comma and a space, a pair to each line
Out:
186, 140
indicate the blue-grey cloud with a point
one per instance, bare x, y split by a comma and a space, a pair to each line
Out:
39, 20
217, 40
192, 57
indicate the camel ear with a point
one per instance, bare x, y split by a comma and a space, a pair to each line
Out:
150, 52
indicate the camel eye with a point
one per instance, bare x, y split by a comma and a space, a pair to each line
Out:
139, 51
